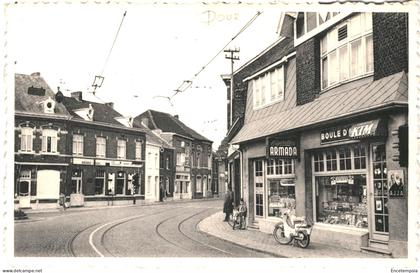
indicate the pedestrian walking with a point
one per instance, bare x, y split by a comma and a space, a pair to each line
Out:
228, 204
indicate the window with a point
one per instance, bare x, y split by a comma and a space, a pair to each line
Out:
347, 51
342, 200
351, 157
167, 163
120, 183
77, 144
269, 87
49, 141
280, 166
149, 183
198, 161
259, 204
307, 21
100, 147
281, 196
319, 162
138, 150
121, 149
76, 181
180, 159
26, 139
99, 182
199, 184
156, 161
258, 168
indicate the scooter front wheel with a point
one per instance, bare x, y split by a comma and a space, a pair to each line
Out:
280, 236
304, 242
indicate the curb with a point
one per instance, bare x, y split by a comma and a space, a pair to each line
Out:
155, 203
238, 244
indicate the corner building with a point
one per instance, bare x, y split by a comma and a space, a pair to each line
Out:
337, 102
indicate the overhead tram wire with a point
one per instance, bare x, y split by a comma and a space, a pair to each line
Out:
100, 76
189, 82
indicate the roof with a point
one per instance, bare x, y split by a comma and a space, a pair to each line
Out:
152, 137
169, 124
330, 106
102, 112
33, 103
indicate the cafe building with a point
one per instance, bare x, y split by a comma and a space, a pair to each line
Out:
336, 154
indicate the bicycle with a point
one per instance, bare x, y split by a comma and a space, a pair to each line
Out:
235, 219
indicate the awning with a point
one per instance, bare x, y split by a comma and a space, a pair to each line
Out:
330, 106
377, 127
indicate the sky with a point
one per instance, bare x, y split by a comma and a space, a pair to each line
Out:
158, 47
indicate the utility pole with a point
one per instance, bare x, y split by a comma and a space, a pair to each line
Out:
231, 56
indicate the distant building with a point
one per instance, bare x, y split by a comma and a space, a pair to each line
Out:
193, 176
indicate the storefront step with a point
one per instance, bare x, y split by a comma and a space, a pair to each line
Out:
348, 238
378, 244
371, 249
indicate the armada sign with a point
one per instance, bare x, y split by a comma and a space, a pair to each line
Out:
281, 148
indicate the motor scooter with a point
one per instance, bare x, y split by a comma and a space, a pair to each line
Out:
298, 230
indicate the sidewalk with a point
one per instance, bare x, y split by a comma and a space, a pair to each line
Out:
138, 203
263, 242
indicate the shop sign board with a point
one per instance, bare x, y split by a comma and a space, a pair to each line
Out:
83, 161
354, 131
396, 183
342, 179
281, 148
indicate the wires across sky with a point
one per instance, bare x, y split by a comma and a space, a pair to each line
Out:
187, 83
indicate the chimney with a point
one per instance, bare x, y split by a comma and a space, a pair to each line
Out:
110, 104
77, 95
36, 74
145, 122
176, 116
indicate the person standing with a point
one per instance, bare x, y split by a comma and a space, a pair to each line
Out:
228, 204
243, 209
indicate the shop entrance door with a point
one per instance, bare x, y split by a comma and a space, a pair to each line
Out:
259, 188
379, 229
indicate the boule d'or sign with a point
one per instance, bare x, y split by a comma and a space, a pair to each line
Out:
335, 134
282, 148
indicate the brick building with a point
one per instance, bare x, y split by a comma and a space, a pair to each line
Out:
324, 128
41, 141
192, 154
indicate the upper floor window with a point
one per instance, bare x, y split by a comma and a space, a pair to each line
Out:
156, 161
138, 150
26, 139
100, 147
167, 163
77, 144
180, 159
49, 141
268, 88
347, 51
121, 149
307, 21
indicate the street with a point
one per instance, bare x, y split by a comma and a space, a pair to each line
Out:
158, 230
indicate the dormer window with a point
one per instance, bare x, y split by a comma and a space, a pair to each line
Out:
49, 106
268, 88
126, 121
90, 112
86, 113
347, 51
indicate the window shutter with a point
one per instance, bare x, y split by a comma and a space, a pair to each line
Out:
44, 143
23, 142
54, 144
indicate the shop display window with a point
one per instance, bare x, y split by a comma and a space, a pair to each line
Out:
319, 162
342, 200
99, 182
280, 166
281, 196
352, 157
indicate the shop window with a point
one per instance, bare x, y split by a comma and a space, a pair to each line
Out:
26, 139
319, 162
342, 200
258, 168
347, 51
120, 183
345, 158
99, 182
77, 145
380, 182
100, 147
259, 204
331, 160
281, 196
121, 149
49, 141
280, 166
360, 157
